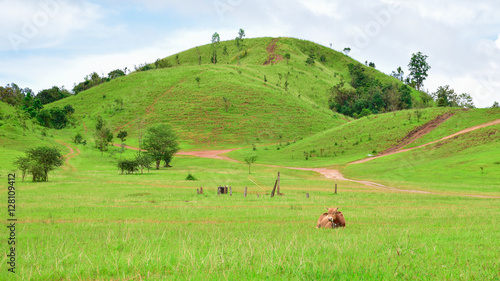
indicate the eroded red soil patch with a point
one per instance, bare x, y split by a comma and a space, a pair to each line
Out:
273, 58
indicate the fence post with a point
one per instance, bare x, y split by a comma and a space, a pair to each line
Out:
230, 191
197, 191
307, 195
279, 193
274, 189
335, 188
201, 190
218, 190
245, 191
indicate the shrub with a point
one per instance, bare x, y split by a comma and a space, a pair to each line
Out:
129, 166
190, 177
78, 138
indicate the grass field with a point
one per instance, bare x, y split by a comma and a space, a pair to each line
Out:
154, 226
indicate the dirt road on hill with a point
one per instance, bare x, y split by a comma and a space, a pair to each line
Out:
397, 148
70, 155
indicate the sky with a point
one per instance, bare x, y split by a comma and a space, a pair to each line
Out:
45, 43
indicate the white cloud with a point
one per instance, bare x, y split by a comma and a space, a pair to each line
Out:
323, 7
42, 24
497, 42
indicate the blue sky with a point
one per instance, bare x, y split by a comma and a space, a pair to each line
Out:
47, 43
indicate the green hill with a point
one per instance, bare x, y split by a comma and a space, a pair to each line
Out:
264, 99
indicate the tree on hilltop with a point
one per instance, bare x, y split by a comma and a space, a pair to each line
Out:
215, 43
418, 67
239, 42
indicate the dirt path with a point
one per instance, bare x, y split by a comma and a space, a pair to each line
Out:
84, 126
69, 156
214, 154
395, 151
128, 147
271, 48
418, 132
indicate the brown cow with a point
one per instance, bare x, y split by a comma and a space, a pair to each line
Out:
327, 218
332, 219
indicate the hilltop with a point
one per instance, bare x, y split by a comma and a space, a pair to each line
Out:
261, 97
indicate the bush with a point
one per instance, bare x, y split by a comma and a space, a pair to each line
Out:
78, 138
129, 166
190, 177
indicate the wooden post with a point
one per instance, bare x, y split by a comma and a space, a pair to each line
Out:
335, 188
230, 191
197, 191
279, 193
307, 195
201, 190
274, 189
218, 190
245, 191
257, 195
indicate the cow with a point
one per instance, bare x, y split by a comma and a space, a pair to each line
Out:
332, 219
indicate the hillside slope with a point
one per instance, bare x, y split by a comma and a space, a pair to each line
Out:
264, 99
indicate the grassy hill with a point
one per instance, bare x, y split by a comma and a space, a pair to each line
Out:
265, 99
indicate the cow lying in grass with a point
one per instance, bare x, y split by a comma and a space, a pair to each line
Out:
332, 219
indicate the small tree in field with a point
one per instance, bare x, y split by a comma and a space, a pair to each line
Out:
250, 160
39, 162
161, 143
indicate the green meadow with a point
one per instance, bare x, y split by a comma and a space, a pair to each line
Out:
436, 217
91, 222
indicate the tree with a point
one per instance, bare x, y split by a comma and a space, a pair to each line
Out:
69, 110
405, 100
23, 164
287, 57
465, 101
11, 94
59, 119
53, 94
122, 135
250, 160
215, 43
103, 135
310, 61
144, 160
130, 166
239, 42
103, 138
116, 73
418, 67
161, 143
39, 162
495, 105
119, 102
346, 50
445, 96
